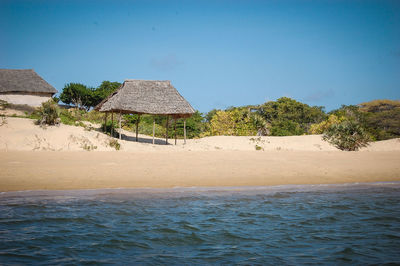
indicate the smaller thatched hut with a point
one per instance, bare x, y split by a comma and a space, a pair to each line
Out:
147, 97
24, 86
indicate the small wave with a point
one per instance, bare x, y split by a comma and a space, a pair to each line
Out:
209, 190
166, 230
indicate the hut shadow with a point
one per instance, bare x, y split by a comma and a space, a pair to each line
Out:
140, 139
143, 140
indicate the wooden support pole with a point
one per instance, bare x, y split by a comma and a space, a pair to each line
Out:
154, 128
137, 128
105, 122
166, 136
175, 129
120, 129
112, 124
184, 131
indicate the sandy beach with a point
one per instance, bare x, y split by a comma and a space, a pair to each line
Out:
32, 158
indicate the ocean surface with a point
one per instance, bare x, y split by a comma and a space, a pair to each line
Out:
313, 224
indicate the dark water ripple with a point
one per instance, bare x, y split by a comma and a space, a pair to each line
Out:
353, 224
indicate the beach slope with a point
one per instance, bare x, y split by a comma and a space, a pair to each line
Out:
89, 170
33, 158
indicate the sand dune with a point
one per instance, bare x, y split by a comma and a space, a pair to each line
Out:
28, 160
20, 134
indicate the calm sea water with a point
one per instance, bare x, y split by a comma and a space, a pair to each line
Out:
331, 224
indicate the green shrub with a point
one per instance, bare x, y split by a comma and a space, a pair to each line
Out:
75, 117
114, 143
233, 122
67, 117
49, 113
88, 147
320, 128
347, 136
94, 117
286, 128
289, 117
258, 148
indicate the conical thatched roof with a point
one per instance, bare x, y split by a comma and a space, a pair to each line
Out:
23, 80
147, 97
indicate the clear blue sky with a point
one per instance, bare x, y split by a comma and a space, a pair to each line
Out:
216, 53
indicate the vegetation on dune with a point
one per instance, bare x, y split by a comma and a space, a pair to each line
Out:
347, 135
48, 113
85, 97
114, 144
320, 128
345, 128
348, 127
288, 117
233, 122
283, 117
382, 118
74, 117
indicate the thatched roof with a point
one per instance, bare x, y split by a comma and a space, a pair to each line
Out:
23, 80
147, 97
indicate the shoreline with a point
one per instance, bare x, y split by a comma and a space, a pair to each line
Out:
222, 189
80, 170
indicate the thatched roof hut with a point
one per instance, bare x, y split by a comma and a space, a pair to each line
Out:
147, 97
23, 80
153, 97
24, 86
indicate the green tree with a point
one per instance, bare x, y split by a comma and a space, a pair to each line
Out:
56, 99
210, 114
83, 96
103, 91
76, 94
286, 128
290, 117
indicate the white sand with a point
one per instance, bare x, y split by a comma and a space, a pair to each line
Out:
20, 134
28, 160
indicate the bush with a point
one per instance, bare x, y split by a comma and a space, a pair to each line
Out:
347, 136
320, 128
233, 122
258, 147
222, 124
286, 128
68, 117
114, 143
49, 113
382, 118
93, 116
289, 117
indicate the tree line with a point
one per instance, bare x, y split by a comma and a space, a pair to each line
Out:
86, 97
375, 120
